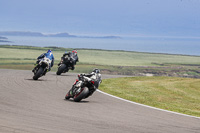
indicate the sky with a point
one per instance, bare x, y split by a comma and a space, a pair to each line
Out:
103, 17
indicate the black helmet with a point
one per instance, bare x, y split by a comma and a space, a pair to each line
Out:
96, 70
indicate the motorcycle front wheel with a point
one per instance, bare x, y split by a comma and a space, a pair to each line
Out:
61, 69
38, 73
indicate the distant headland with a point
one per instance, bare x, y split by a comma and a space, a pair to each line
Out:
39, 34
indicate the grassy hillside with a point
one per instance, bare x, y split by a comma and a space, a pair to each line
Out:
102, 57
170, 93
112, 62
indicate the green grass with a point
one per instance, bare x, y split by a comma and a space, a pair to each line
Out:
110, 62
171, 93
102, 57
121, 58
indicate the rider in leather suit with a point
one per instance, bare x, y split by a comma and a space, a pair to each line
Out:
73, 56
49, 55
96, 77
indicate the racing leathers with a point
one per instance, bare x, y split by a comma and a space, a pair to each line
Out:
48, 55
96, 77
73, 59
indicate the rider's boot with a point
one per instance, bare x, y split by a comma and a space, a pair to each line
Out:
36, 64
73, 66
34, 68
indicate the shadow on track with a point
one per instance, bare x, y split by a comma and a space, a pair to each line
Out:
70, 100
61, 75
36, 80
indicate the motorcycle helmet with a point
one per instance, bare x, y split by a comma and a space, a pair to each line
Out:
74, 51
49, 51
96, 70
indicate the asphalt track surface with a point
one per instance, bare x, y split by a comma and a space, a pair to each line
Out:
28, 106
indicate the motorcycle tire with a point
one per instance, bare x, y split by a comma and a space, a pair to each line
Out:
38, 73
61, 69
84, 92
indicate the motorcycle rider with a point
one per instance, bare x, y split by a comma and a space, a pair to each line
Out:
93, 76
74, 58
48, 55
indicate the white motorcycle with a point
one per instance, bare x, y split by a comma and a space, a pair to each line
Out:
41, 68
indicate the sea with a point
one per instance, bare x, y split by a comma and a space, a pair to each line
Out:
166, 45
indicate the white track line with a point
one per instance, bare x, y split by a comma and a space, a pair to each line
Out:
146, 105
